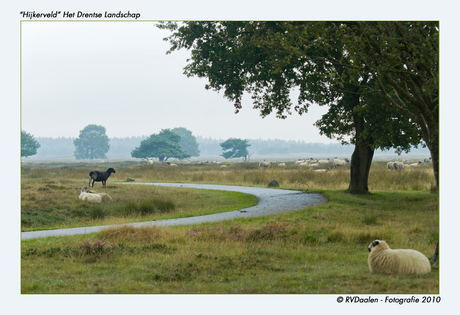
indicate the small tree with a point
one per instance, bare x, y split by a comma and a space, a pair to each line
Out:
92, 143
187, 141
235, 148
163, 146
29, 145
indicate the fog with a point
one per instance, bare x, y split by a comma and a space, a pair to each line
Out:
117, 75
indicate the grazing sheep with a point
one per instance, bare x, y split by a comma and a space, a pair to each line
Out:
104, 196
96, 176
395, 166
339, 162
265, 164
383, 259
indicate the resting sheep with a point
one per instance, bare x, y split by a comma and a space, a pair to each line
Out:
92, 196
383, 259
96, 176
416, 164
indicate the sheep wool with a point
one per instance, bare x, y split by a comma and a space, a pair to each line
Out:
383, 259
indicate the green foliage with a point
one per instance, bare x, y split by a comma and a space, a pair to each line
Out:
187, 141
329, 64
92, 143
235, 148
163, 146
29, 145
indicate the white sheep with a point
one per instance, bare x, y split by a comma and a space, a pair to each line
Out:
300, 161
223, 166
395, 166
150, 161
92, 196
304, 164
416, 164
282, 164
324, 161
383, 259
339, 162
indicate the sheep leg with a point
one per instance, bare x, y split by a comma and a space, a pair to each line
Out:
90, 182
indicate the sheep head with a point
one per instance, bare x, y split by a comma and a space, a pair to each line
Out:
382, 245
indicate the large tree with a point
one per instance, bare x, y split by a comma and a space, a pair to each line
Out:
163, 146
403, 59
187, 141
270, 59
235, 148
92, 143
29, 145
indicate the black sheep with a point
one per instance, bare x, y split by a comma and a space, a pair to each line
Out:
97, 176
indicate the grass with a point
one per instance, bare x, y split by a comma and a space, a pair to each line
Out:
319, 250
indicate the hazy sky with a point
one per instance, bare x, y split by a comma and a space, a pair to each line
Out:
117, 74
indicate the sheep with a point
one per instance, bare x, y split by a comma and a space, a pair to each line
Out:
104, 196
395, 166
416, 164
265, 165
96, 176
300, 161
325, 161
383, 259
150, 160
338, 162
223, 166
323, 169
282, 164
304, 164
90, 197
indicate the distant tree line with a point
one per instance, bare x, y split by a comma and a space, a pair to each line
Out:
64, 146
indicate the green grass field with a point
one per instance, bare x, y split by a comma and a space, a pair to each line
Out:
322, 249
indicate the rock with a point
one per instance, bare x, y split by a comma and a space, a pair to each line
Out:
273, 183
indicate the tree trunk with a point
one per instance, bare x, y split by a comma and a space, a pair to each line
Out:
361, 158
361, 161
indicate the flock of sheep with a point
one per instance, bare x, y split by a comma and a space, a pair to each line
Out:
382, 259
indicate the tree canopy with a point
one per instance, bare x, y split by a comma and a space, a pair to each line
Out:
92, 143
235, 148
325, 62
29, 145
187, 142
163, 146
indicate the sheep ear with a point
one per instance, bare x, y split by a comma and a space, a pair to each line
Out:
375, 243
